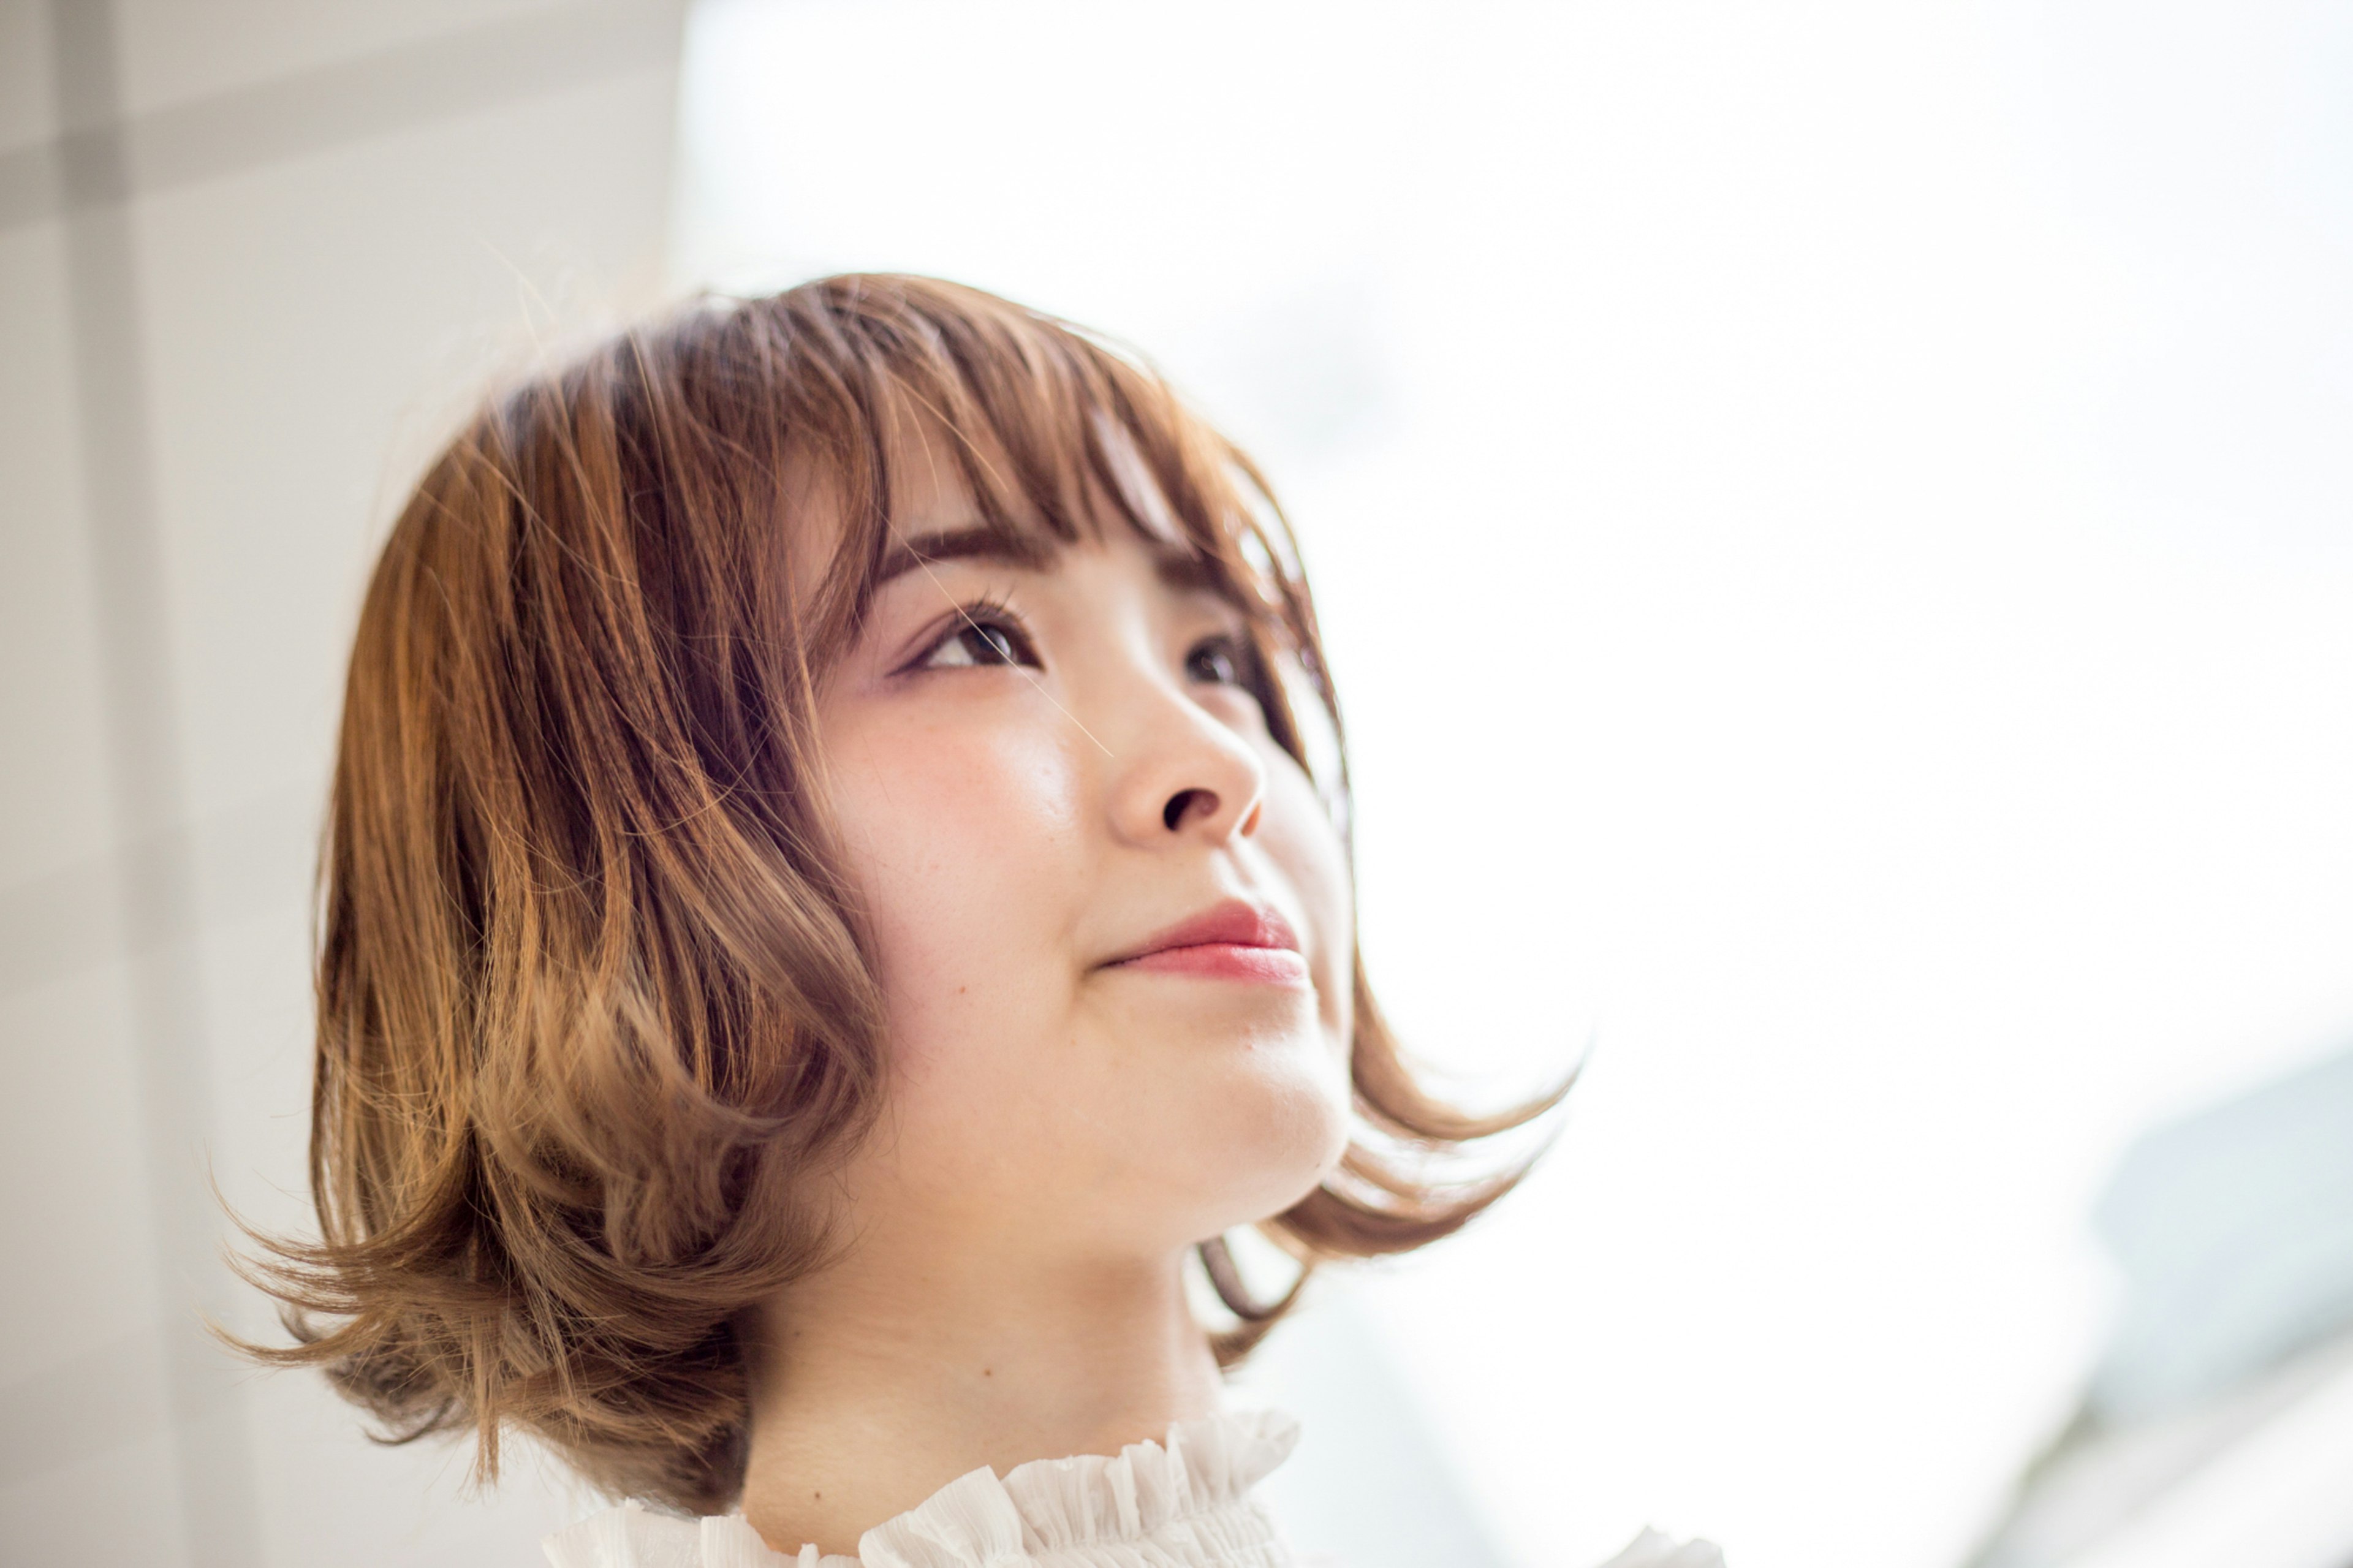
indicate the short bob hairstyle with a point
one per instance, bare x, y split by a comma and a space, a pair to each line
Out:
593, 999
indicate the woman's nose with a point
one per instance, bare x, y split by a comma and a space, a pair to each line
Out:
1182, 775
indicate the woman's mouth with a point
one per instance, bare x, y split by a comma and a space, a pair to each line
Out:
1231, 940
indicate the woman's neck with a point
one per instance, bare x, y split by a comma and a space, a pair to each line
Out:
885, 1377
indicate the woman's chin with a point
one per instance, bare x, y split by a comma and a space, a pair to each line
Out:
1266, 1151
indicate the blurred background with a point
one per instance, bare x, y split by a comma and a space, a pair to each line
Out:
1834, 522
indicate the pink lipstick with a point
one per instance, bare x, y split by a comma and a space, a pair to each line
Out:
1228, 941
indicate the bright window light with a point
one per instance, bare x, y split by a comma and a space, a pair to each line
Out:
1835, 527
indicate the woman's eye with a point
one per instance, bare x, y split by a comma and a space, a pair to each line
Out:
1217, 661
980, 642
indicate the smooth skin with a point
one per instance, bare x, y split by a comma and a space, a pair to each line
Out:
1035, 767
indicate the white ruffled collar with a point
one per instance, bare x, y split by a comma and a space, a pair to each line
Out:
1184, 1501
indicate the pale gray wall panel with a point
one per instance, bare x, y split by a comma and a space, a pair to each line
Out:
256, 997
174, 50
233, 325
55, 811
308, 323
27, 106
118, 1508
74, 1229
329, 1496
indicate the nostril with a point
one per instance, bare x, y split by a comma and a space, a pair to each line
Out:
1183, 803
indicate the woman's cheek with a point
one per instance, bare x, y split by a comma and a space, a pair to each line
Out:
960, 839
1299, 836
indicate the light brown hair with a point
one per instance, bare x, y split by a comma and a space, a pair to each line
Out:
593, 1004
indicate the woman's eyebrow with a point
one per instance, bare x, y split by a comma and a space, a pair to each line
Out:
964, 544
1187, 571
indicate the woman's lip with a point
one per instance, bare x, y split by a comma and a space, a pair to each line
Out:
1232, 938
1224, 961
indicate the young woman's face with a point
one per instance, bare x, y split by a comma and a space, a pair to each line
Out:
1111, 915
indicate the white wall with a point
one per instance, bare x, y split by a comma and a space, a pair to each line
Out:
218, 366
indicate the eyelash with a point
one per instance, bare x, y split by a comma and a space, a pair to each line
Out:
1241, 660
993, 615
980, 616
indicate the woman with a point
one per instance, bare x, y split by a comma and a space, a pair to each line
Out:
836, 888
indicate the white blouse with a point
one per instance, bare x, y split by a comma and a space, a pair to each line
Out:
1183, 1504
